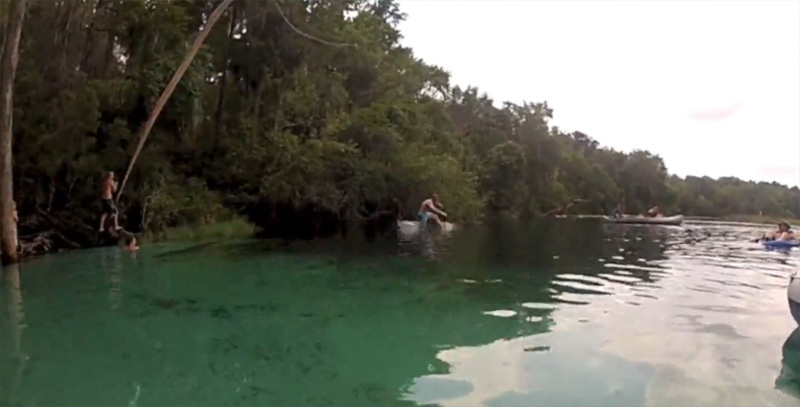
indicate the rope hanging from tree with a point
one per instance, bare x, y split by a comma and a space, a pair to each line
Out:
173, 83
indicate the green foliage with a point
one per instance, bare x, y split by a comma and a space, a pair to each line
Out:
234, 228
170, 203
266, 117
505, 190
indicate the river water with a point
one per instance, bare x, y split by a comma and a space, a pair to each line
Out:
568, 312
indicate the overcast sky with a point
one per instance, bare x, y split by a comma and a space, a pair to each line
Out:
712, 86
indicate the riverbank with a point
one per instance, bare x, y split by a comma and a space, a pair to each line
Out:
65, 238
52, 232
767, 220
758, 219
234, 228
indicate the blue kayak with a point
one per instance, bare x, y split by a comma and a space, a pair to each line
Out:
780, 244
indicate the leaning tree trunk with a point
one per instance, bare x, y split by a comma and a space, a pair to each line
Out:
162, 100
8, 70
224, 79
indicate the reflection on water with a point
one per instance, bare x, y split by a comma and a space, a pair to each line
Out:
11, 341
428, 242
551, 313
111, 261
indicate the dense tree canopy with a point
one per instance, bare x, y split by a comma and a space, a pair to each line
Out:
303, 110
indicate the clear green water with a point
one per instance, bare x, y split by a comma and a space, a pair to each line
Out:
563, 313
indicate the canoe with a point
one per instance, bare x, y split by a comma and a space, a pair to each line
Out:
641, 220
787, 379
780, 244
412, 227
793, 292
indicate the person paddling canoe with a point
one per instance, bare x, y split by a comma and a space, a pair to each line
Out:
430, 209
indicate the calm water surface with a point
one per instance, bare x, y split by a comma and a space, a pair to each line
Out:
564, 313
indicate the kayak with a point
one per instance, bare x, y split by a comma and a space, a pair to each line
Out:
780, 244
641, 220
793, 293
790, 366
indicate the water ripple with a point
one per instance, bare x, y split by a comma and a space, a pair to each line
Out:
686, 308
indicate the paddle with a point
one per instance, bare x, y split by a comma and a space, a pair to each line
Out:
443, 214
763, 238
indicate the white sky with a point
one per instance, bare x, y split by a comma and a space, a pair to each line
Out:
712, 86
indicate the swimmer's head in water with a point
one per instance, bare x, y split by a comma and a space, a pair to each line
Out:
783, 226
130, 240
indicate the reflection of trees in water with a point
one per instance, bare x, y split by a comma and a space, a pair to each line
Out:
522, 267
535, 252
380, 313
11, 335
788, 380
430, 243
643, 249
647, 241
111, 261
503, 265
310, 327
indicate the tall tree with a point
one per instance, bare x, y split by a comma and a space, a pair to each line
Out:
8, 70
295, 113
162, 100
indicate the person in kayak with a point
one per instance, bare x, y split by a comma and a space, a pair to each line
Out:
430, 209
783, 232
